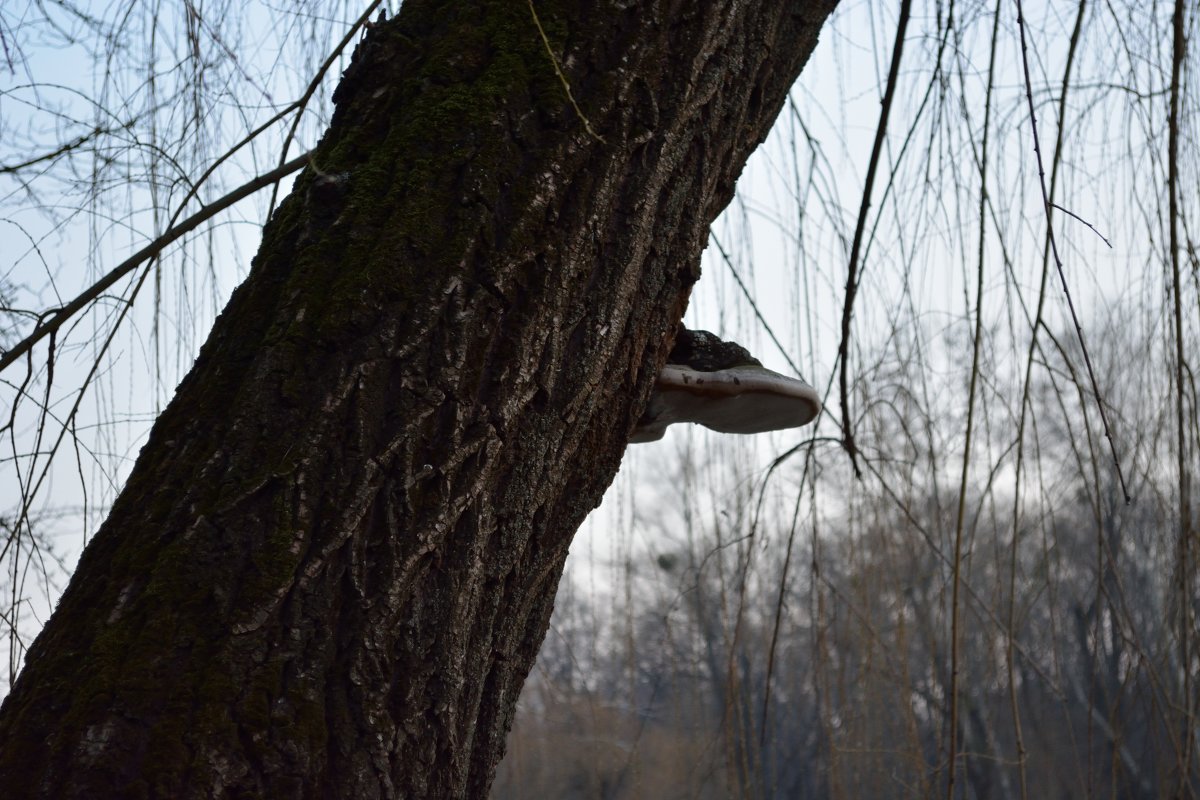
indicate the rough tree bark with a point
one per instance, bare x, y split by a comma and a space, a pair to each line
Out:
335, 559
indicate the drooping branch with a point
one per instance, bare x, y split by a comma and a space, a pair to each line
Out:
853, 267
58, 317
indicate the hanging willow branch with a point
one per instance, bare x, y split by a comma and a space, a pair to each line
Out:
852, 276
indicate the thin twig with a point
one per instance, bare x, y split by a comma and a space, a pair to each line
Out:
1078, 218
78, 141
558, 71
753, 305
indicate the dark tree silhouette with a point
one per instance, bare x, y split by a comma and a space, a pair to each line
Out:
334, 561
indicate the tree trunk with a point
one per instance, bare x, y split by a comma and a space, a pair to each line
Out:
335, 559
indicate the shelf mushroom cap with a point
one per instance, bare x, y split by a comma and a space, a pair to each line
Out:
746, 398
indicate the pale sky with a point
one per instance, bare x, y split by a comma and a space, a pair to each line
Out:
797, 283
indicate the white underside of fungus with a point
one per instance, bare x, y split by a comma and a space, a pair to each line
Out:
740, 399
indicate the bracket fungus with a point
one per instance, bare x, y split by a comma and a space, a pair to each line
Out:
719, 385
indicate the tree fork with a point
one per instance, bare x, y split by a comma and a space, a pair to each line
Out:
335, 559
